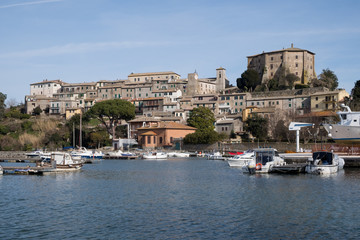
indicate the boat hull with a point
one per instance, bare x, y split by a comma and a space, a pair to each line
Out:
342, 133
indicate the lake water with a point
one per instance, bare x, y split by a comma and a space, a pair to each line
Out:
178, 199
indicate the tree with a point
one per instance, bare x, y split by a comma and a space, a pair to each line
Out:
257, 126
355, 97
110, 112
201, 118
37, 111
326, 79
2, 104
248, 81
280, 133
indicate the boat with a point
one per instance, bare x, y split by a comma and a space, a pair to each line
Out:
215, 156
263, 161
60, 161
119, 153
1, 170
155, 155
241, 159
324, 162
82, 152
178, 154
348, 129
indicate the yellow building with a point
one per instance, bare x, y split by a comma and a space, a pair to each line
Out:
329, 100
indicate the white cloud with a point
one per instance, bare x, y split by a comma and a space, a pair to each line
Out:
29, 3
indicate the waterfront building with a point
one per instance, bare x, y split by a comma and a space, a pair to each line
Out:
297, 61
162, 134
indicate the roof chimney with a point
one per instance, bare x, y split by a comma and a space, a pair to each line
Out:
292, 45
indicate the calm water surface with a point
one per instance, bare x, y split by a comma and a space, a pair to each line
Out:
178, 199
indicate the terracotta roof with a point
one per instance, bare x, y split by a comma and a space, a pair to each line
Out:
148, 133
319, 114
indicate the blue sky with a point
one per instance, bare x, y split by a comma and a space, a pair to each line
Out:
91, 40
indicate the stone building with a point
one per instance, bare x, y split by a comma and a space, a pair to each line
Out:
290, 60
46, 88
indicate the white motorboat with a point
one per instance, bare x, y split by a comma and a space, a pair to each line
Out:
324, 163
215, 156
263, 161
119, 153
348, 129
155, 156
84, 153
178, 154
61, 161
241, 159
1, 170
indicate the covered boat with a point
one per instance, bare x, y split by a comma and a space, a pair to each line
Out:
324, 163
263, 161
61, 161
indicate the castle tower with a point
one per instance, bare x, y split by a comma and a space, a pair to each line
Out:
220, 79
192, 85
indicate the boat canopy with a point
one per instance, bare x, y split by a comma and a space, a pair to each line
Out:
326, 158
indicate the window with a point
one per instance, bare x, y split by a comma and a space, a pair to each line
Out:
236, 97
271, 66
296, 57
154, 139
272, 58
296, 65
149, 139
296, 73
316, 98
317, 106
171, 139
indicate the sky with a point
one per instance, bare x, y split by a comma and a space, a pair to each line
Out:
90, 40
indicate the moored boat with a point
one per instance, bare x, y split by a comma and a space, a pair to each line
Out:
323, 162
155, 156
84, 153
241, 159
60, 161
263, 161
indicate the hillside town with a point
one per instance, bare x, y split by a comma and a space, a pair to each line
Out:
164, 100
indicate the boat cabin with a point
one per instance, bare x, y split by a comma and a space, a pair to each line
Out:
264, 155
349, 118
323, 158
